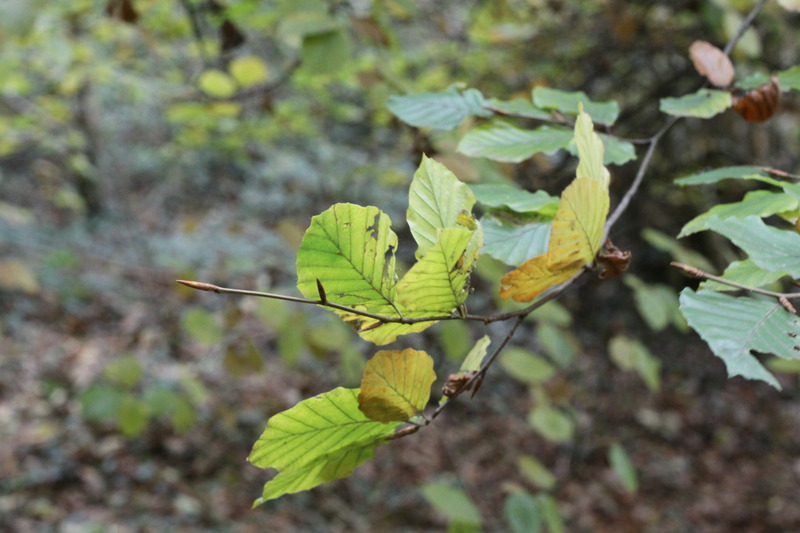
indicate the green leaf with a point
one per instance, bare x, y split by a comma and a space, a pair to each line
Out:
454, 339
522, 513
734, 327
705, 103
475, 356
623, 467
551, 423
657, 303
437, 200
758, 203
513, 245
248, 71
132, 416
617, 152
770, 248
124, 371
350, 250
327, 52
201, 326
528, 368
101, 402
437, 283
443, 110
536, 472
518, 107
746, 273
217, 84
558, 343
753, 81
738, 172
452, 502
567, 102
396, 385
498, 195
790, 79
632, 354
500, 141
318, 440
679, 253
550, 513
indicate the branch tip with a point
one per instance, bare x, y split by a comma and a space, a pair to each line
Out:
199, 285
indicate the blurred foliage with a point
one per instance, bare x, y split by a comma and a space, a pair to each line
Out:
143, 141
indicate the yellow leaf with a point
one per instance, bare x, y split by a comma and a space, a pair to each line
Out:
396, 385
248, 71
578, 226
18, 275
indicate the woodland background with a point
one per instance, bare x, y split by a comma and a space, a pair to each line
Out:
133, 153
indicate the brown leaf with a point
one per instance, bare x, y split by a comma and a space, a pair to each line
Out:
612, 260
712, 63
759, 104
455, 382
230, 36
123, 10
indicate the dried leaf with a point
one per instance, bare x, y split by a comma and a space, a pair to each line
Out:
122, 10
612, 260
759, 104
712, 63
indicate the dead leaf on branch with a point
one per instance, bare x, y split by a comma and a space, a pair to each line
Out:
612, 260
759, 104
711, 62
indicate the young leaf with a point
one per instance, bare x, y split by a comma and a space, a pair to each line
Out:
318, 440
567, 103
437, 283
396, 385
536, 472
770, 248
216, 84
443, 110
551, 423
632, 354
704, 103
738, 172
734, 327
437, 200
500, 141
759, 203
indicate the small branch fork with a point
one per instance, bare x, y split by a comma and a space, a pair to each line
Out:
519, 316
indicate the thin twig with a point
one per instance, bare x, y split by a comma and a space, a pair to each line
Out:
697, 273
743, 27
